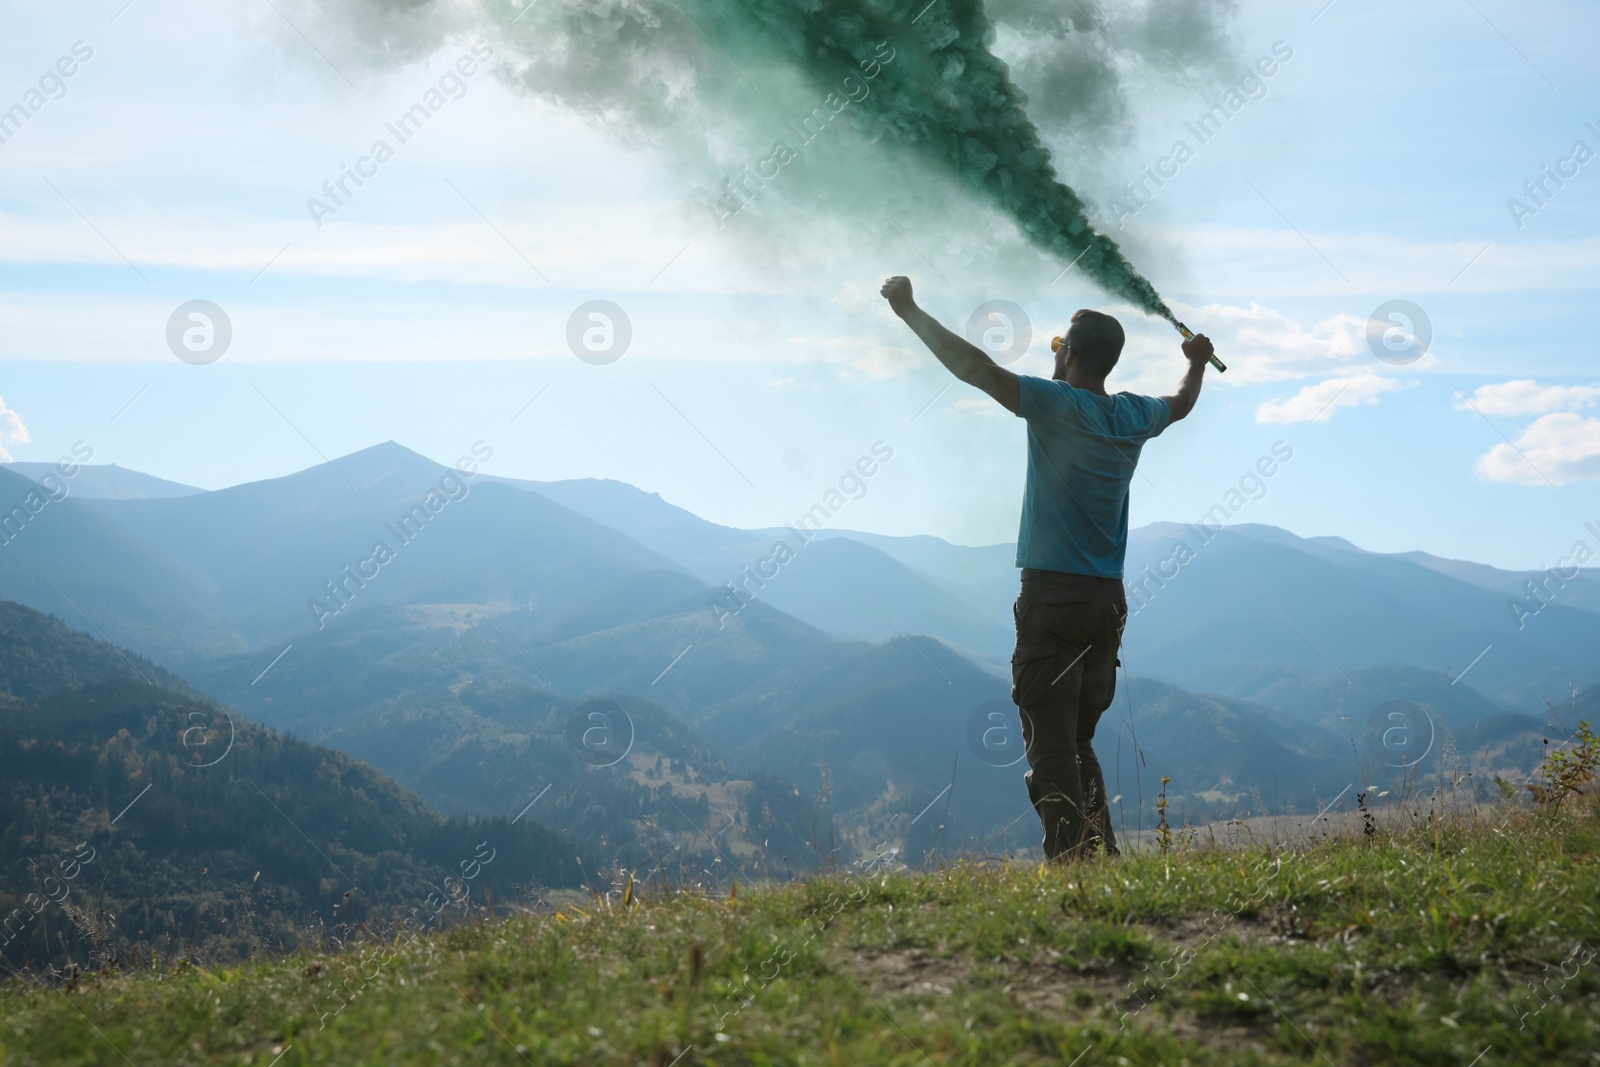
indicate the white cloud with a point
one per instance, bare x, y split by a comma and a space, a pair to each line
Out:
584, 245
12, 431
885, 361
1317, 403
1527, 397
1554, 449
983, 407
1260, 344
1275, 262
857, 355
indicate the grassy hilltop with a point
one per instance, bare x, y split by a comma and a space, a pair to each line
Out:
1466, 938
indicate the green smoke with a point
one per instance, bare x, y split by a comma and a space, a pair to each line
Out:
950, 100
710, 82
945, 97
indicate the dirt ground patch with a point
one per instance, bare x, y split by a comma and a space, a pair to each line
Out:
898, 972
1050, 989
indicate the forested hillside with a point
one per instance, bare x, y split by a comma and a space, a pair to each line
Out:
137, 812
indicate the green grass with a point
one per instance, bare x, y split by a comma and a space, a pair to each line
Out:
1415, 946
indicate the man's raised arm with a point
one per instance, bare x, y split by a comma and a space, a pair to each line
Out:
962, 358
1198, 352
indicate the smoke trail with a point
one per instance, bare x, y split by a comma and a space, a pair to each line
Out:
954, 103
699, 80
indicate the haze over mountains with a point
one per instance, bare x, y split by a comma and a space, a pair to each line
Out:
445, 626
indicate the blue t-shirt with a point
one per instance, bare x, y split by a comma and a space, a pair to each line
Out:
1082, 449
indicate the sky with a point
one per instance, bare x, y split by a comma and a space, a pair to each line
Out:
445, 300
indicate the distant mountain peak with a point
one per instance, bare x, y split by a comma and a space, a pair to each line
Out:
374, 464
389, 451
390, 445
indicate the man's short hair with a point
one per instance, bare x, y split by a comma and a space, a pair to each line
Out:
1097, 340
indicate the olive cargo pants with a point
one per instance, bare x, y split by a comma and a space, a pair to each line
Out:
1063, 677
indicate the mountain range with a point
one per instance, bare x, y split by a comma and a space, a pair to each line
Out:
444, 624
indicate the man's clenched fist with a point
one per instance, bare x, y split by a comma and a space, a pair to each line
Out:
1198, 348
897, 291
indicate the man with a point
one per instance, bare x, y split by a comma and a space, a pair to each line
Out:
1083, 445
